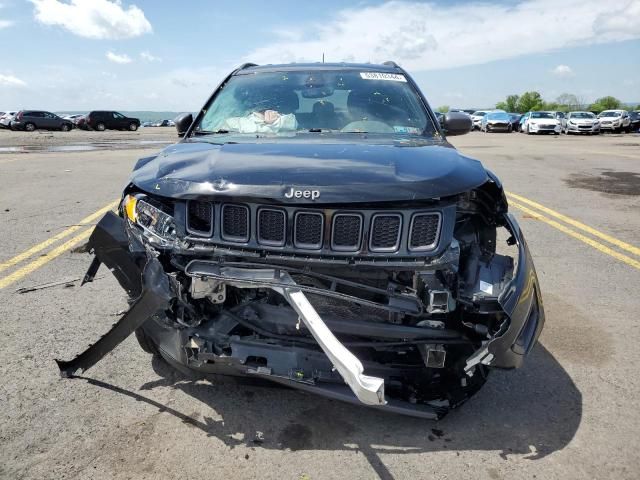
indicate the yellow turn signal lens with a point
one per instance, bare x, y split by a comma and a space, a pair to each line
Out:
129, 204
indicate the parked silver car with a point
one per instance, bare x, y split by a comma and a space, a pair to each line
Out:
581, 122
496, 122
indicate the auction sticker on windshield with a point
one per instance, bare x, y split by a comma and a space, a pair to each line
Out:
393, 77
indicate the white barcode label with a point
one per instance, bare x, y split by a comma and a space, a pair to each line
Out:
391, 77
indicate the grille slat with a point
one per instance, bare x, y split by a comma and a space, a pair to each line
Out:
308, 230
200, 218
346, 232
271, 227
235, 223
425, 228
385, 232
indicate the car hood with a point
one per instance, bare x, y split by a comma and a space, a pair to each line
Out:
338, 172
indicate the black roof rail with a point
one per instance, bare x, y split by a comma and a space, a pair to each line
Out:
391, 63
247, 65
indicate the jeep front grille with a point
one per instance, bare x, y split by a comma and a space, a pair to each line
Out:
286, 229
385, 232
235, 222
272, 227
308, 230
425, 228
200, 218
346, 232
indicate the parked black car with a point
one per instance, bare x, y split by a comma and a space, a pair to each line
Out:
31, 120
515, 121
109, 120
634, 125
314, 228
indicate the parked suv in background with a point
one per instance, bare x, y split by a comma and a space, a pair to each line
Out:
31, 120
109, 120
615, 120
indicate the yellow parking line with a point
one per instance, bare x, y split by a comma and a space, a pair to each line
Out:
589, 241
586, 228
40, 261
41, 246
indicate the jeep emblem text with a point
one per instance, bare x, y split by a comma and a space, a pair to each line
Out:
312, 194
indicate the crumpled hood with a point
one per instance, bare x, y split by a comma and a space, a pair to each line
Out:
338, 172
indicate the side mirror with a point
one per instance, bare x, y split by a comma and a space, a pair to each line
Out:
456, 123
183, 122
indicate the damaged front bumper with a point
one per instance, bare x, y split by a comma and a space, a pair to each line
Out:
333, 370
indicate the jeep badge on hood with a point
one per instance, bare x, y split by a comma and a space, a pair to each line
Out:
293, 193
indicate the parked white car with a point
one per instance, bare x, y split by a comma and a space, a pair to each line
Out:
541, 122
581, 122
615, 120
5, 119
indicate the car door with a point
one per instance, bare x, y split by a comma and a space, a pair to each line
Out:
37, 118
119, 120
52, 120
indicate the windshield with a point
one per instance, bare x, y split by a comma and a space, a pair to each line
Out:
286, 103
541, 115
610, 114
498, 116
582, 115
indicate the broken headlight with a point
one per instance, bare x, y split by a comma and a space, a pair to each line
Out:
160, 226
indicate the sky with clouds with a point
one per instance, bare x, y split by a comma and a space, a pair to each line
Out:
150, 55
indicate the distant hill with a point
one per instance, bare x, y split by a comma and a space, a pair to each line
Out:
144, 116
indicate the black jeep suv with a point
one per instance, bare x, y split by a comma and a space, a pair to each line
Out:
109, 120
314, 228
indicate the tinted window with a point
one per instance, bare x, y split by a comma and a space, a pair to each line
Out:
339, 101
582, 115
541, 115
498, 116
118, 115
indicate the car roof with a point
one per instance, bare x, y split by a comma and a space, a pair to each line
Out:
291, 67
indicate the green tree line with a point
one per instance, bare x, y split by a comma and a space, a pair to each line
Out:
567, 102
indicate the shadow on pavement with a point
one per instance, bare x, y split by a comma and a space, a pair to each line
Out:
535, 411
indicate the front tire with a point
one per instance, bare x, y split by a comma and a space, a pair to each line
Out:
65, 127
133, 127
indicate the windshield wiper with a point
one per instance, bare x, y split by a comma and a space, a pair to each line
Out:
209, 132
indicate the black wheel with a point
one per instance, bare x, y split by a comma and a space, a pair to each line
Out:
145, 342
29, 127
65, 127
100, 127
133, 127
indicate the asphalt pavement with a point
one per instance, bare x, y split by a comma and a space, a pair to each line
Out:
573, 410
